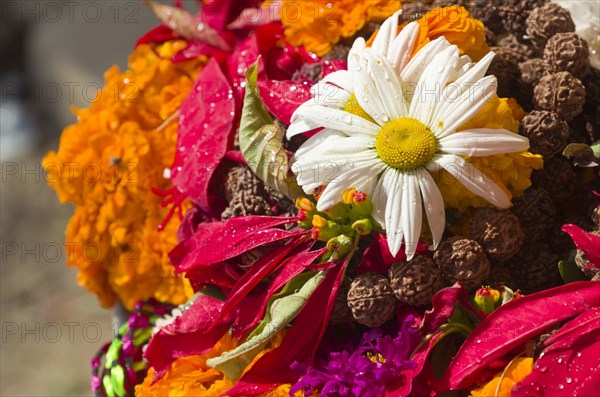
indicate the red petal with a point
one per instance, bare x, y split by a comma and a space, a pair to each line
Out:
300, 343
513, 324
157, 35
443, 306
570, 365
282, 98
587, 242
205, 126
218, 241
291, 268
188, 335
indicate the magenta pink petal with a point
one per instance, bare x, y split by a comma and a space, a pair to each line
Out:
587, 242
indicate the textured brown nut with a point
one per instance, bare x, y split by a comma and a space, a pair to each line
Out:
567, 52
242, 179
462, 260
341, 313
546, 21
536, 212
546, 131
557, 177
371, 299
535, 268
533, 70
560, 92
416, 281
514, 13
498, 232
244, 205
521, 52
582, 261
499, 276
505, 68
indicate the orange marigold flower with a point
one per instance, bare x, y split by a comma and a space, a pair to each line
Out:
107, 164
319, 25
457, 26
190, 376
502, 384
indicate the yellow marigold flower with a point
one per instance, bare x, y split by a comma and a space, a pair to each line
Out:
319, 25
190, 376
107, 164
511, 171
457, 26
502, 384
284, 391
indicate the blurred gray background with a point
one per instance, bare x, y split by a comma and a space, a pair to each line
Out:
52, 56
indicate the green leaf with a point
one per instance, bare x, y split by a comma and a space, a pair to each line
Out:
570, 272
261, 141
282, 308
583, 155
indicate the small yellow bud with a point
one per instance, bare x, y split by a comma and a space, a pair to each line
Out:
319, 221
348, 197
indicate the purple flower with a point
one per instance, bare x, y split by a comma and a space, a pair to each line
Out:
366, 370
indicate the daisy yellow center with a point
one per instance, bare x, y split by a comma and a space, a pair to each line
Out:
405, 143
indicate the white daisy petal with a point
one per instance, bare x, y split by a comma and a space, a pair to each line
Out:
387, 33
315, 142
434, 206
385, 81
402, 46
354, 178
341, 78
348, 123
471, 178
414, 69
411, 214
388, 195
330, 95
432, 82
469, 103
480, 142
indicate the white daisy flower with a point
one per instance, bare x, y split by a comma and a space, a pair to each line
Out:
398, 123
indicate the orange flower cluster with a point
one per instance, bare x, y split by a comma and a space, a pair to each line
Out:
107, 164
457, 26
190, 376
319, 25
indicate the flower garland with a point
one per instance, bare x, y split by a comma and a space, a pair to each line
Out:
361, 211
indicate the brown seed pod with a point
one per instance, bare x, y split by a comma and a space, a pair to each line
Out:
341, 313
462, 260
535, 268
505, 68
498, 232
546, 21
561, 93
499, 276
521, 52
371, 299
242, 179
514, 13
547, 132
416, 281
536, 212
244, 205
557, 177
567, 52
533, 70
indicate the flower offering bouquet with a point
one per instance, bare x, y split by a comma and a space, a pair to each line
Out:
346, 198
